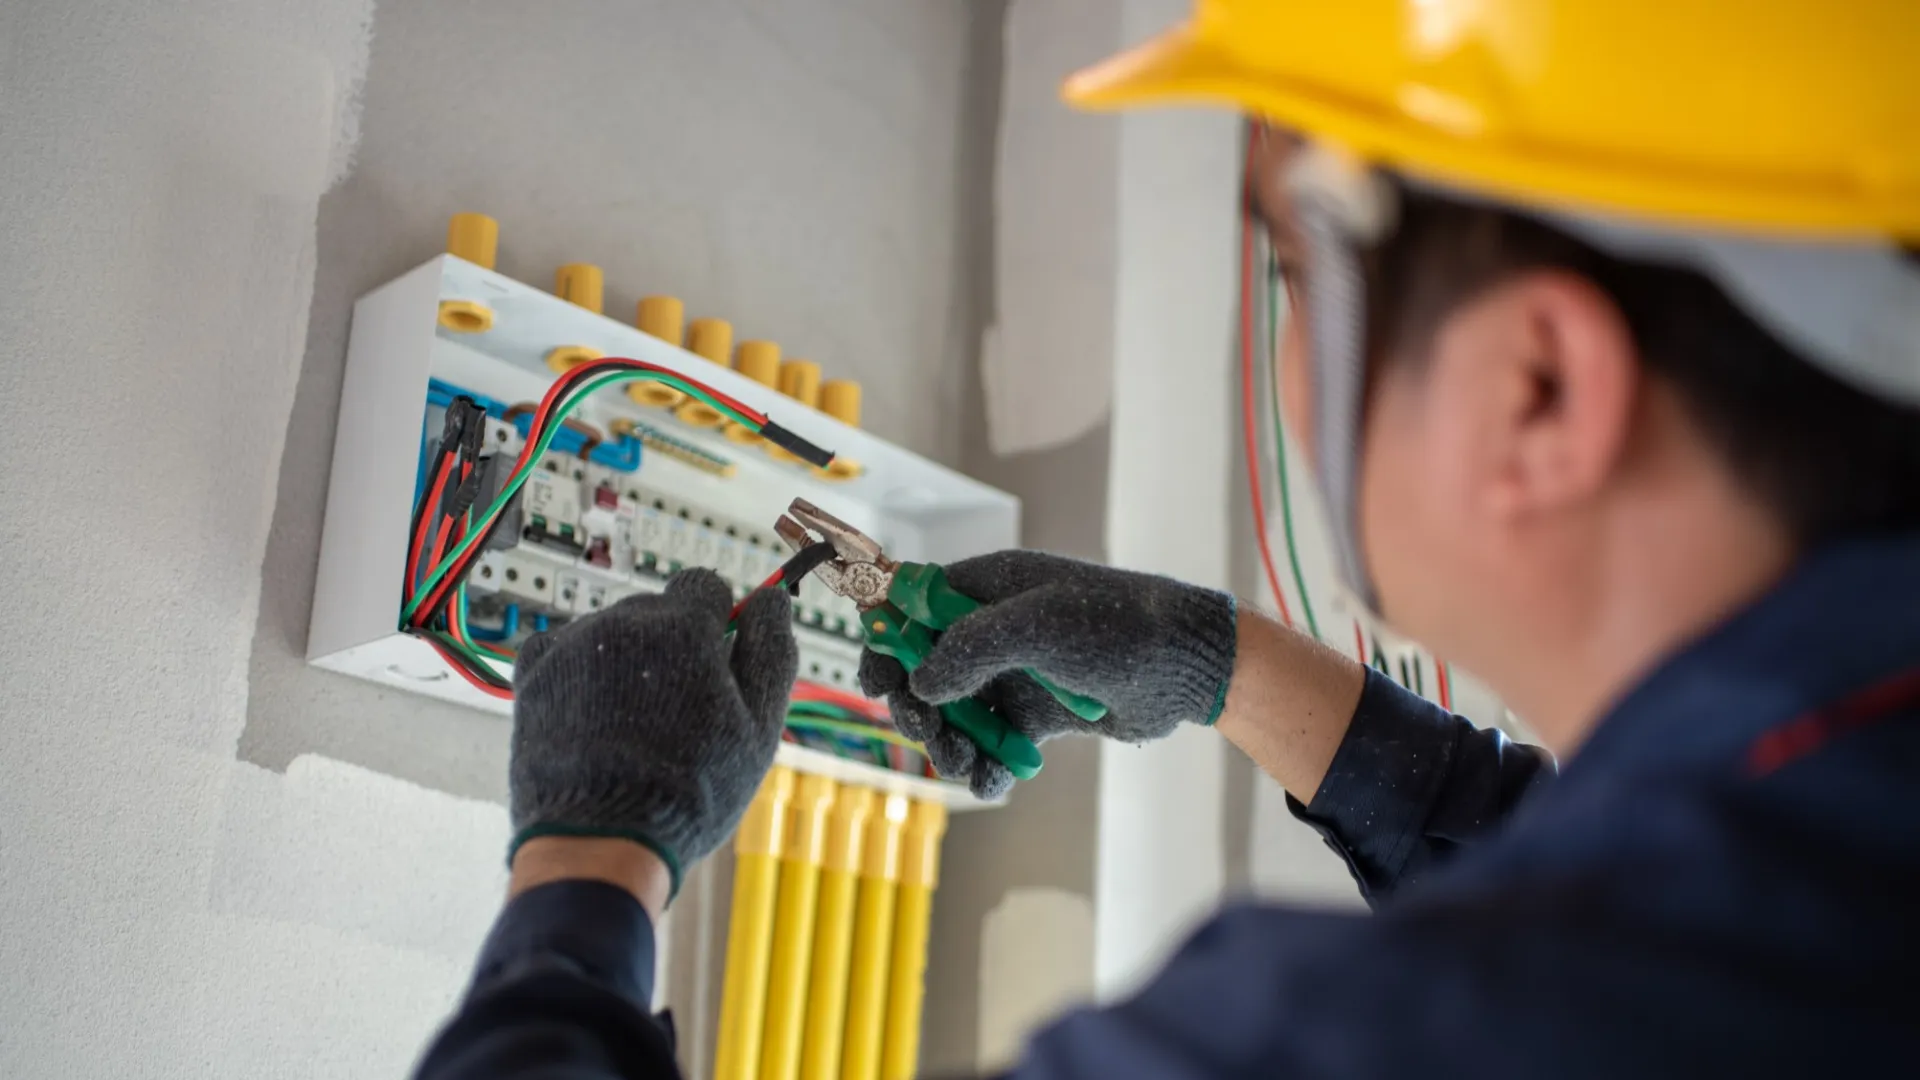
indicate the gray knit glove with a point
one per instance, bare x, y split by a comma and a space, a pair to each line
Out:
1156, 652
644, 722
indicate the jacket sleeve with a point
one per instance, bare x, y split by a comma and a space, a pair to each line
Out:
1410, 783
562, 990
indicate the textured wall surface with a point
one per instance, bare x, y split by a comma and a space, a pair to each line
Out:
166, 910
789, 166
212, 869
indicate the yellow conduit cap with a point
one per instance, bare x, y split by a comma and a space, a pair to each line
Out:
799, 380
813, 798
920, 846
661, 317
581, 284
473, 237
567, 357
840, 399
881, 859
763, 831
710, 339
759, 361
847, 828
466, 316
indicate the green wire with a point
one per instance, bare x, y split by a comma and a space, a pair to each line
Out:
805, 722
1280, 448
821, 708
519, 478
447, 640
489, 651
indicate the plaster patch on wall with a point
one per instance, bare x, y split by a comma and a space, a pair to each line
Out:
1036, 961
1046, 360
724, 166
325, 844
160, 172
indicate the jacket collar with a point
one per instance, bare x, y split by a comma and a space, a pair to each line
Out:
1844, 617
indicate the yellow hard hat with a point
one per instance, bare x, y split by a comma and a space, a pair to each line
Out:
1782, 116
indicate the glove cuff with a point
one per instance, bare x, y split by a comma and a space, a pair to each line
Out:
1207, 637
540, 829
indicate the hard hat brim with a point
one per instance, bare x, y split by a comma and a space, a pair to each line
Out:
1185, 66
1172, 66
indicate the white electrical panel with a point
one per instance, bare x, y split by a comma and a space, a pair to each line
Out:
587, 531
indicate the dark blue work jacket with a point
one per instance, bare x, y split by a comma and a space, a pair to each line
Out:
1725, 881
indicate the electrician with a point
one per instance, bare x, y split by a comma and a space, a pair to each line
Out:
1606, 351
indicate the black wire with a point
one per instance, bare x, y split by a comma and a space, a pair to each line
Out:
443, 608
456, 658
426, 495
804, 562
568, 382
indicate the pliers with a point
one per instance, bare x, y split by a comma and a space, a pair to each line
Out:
903, 607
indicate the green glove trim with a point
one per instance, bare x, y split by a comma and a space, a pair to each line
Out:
1233, 649
555, 829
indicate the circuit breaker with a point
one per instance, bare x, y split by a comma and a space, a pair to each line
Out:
634, 488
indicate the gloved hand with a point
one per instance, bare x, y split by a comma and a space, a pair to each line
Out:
644, 722
1156, 652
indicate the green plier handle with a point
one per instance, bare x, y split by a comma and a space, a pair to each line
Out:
919, 604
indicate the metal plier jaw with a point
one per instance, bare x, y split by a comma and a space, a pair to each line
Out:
859, 570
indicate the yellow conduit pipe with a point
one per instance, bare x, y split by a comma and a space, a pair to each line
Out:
873, 941
793, 928
833, 933
913, 913
756, 875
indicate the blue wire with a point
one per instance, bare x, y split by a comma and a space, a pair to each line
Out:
509, 626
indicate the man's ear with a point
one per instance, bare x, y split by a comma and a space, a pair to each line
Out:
1565, 374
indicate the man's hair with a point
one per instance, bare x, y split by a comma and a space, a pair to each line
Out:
1830, 460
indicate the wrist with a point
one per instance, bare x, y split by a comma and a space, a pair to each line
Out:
628, 864
1289, 703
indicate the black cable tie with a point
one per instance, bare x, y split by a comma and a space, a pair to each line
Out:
795, 445
453, 425
473, 435
463, 496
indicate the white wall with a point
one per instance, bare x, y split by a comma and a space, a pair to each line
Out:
210, 868
166, 909
791, 166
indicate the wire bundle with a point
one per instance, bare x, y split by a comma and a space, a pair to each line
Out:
448, 534
1260, 317
435, 607
850, 726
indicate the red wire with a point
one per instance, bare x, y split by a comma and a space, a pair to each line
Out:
580, 375
1247, 415
430, 511
554, 392
475, 681
448, 525
772, 580
1446, 691
827, 695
